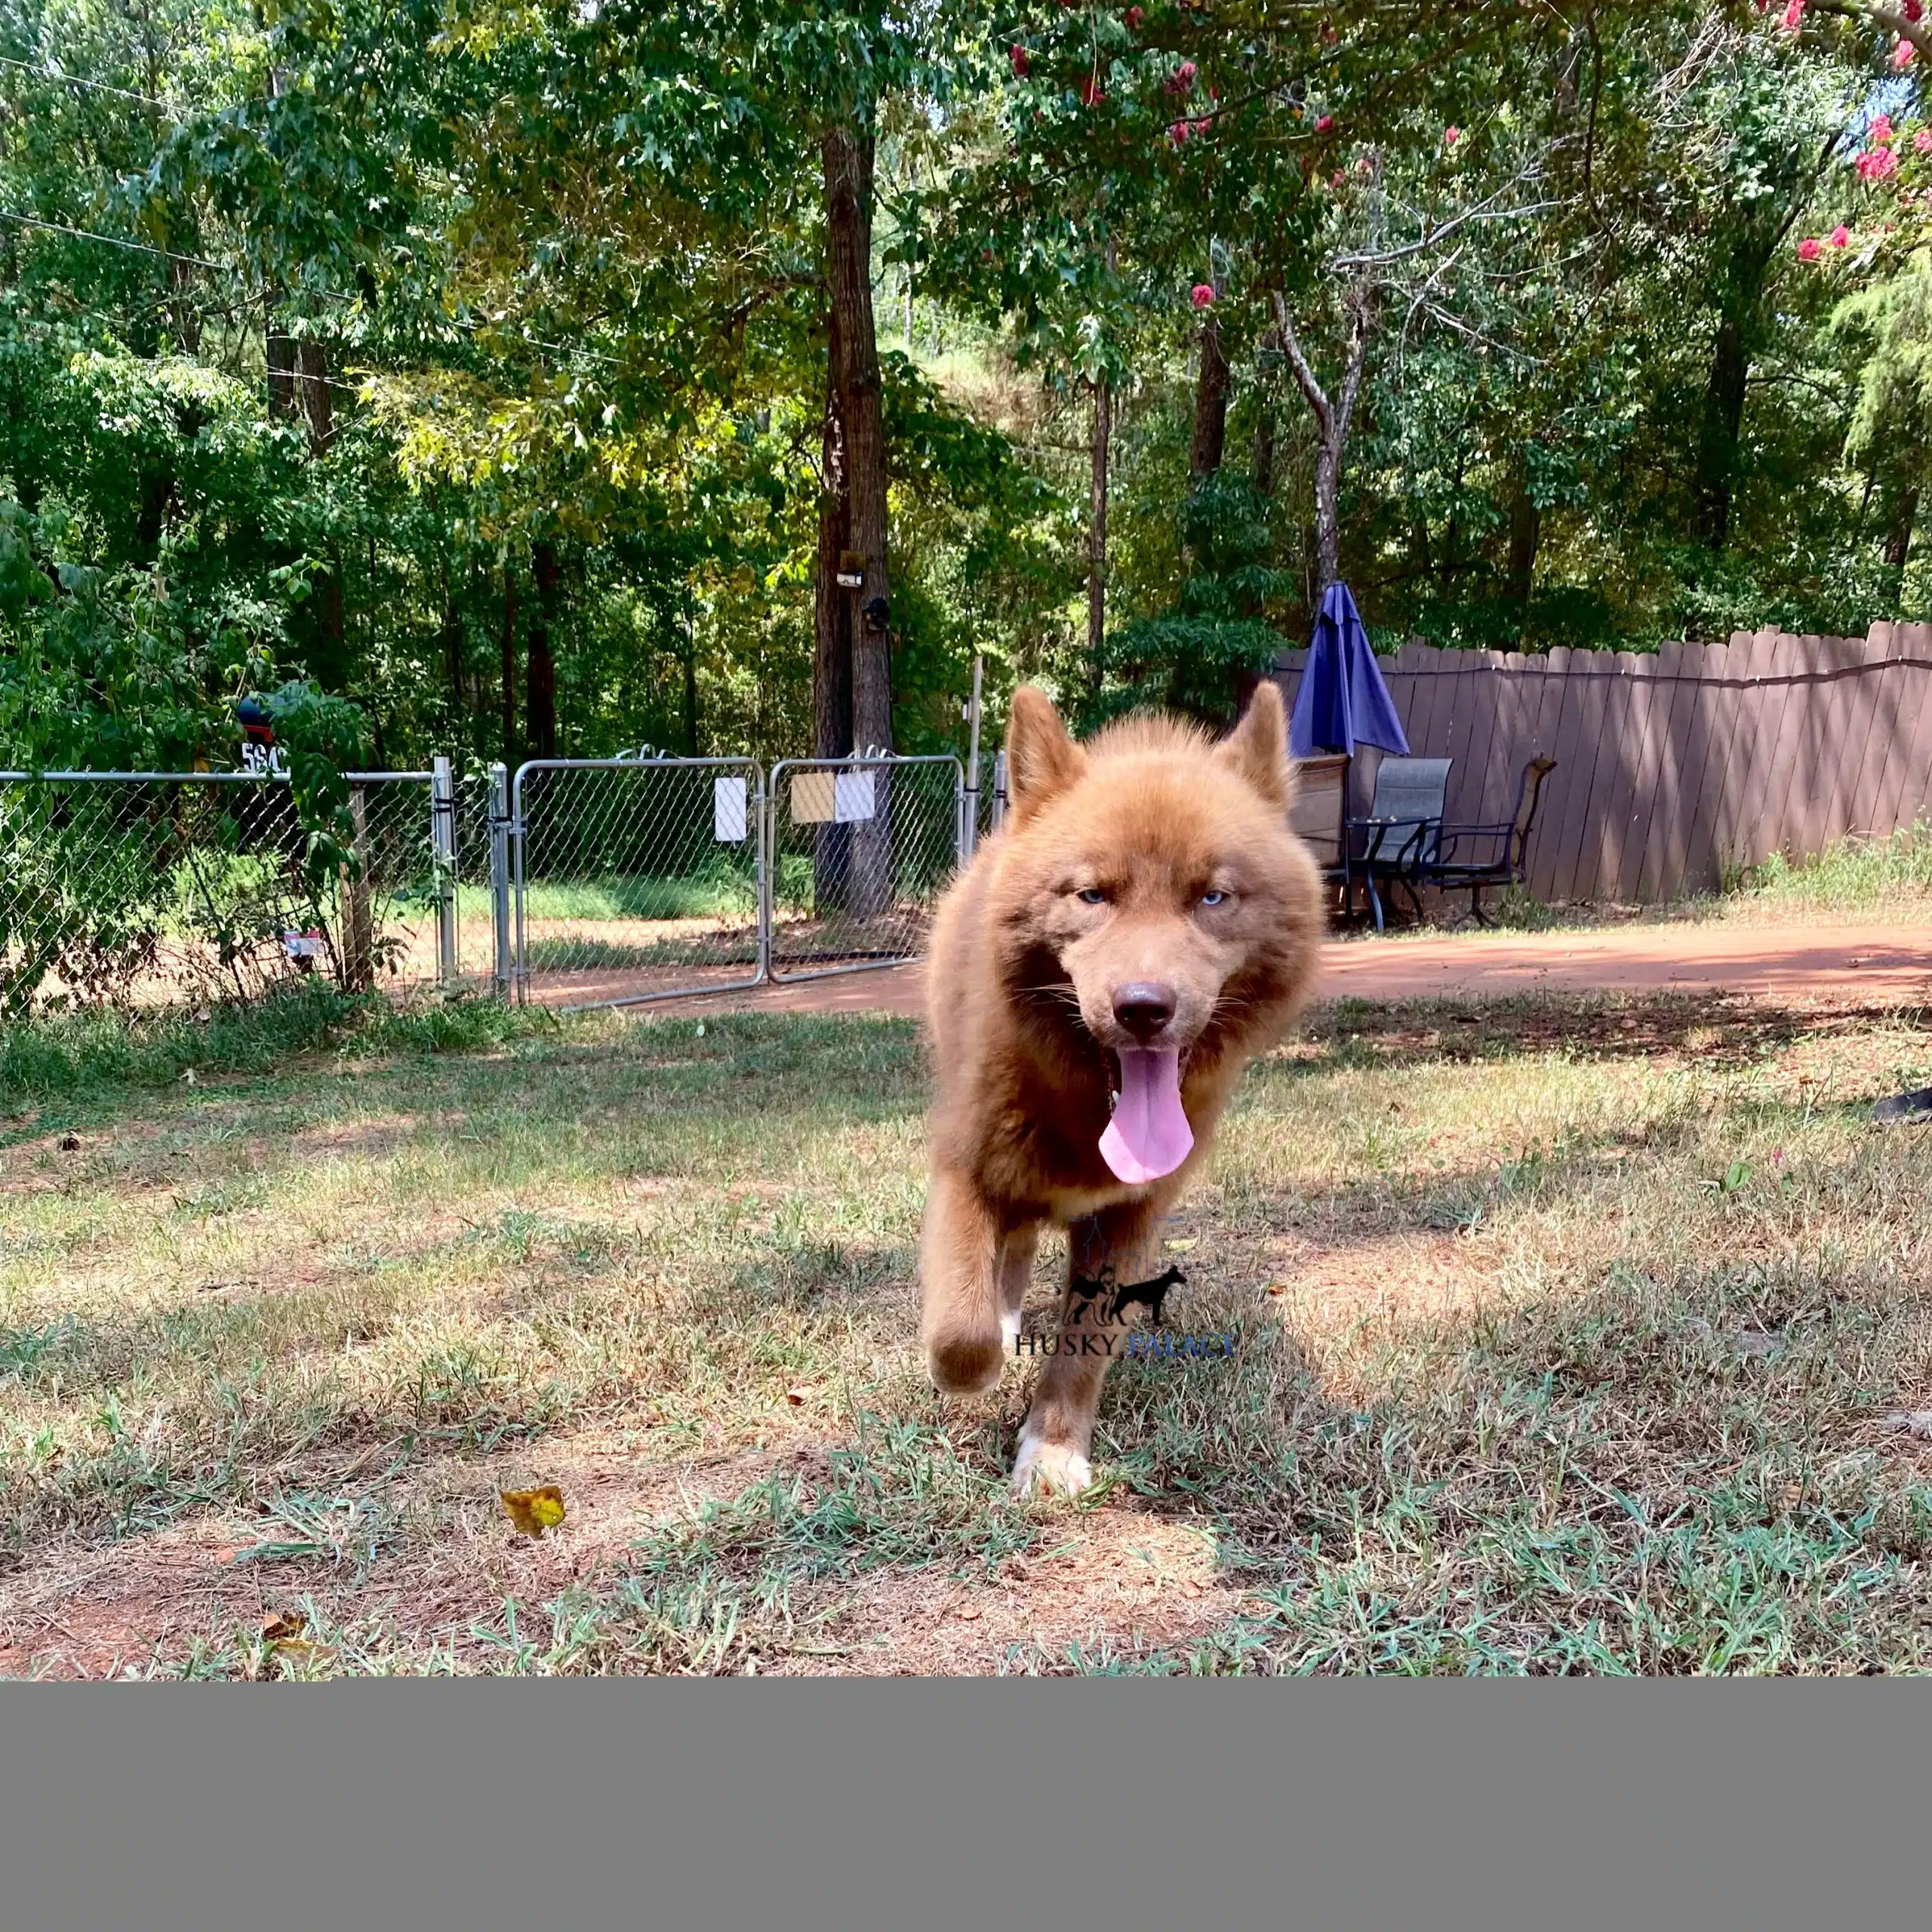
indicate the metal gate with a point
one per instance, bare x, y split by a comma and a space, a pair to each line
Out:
858, 850
634, 879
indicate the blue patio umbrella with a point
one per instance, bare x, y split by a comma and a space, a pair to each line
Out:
1343, 702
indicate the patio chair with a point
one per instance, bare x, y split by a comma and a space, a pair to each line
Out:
1398, 838
1320, 812
1477, 855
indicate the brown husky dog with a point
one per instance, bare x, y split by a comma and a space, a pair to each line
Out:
1142, 925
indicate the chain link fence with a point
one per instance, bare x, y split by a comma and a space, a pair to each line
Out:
139, 889
636, 879
576, 882
860, 850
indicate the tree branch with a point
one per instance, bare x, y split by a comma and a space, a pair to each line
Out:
1919, 32
1358, 361
1310, 383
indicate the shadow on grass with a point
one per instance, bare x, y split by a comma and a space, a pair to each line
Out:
1717, 1028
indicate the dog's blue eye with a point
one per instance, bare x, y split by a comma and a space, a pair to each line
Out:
1092, 895
1214, 898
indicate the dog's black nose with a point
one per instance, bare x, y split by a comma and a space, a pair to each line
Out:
1144, 1007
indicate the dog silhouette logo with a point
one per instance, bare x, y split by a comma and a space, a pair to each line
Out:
1148, 1295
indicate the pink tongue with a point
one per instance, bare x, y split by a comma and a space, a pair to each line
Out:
1148, 1135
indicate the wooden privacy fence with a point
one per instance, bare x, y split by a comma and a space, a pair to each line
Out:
1672, 767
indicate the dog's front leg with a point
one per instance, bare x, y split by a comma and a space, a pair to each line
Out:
1055, 1444
962, 1246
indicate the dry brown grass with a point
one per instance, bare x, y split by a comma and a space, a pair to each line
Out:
1583, 1334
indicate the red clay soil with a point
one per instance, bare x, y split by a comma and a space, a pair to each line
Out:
1864, 965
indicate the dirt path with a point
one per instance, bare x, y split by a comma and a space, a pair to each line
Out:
1874, 965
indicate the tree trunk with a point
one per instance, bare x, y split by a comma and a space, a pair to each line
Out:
278, 347
1525, 534
832, 632
453, 653
1327, 518
848, 157
1898, 533
312, 361
510, 755
330, 663
832, 606
540, 667
1421, 561
1724, 421
1264, 444
187, 317
1210, 405
848, 194
1096, 535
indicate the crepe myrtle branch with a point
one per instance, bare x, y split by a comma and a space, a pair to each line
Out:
1420, 302
1332, 415
1509, 351
1492, 207
1918, 31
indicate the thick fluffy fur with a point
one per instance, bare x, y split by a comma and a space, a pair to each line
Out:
1023, 975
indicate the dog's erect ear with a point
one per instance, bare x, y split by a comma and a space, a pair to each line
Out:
1258, 748
1041, 759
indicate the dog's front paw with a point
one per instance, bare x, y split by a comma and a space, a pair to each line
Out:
1043, 1466
965, 1364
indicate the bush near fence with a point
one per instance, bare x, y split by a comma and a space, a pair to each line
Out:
141, 890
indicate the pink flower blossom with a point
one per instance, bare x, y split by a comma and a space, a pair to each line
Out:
1091, 93
1180, 131
1922, 141
1181, 81
1881, 128
1201, 295
1335, 179
1807, 249
1794, 16
1903, 55
1914, 11
1839, 236
1202, 126
1134, 17
1323, 122
1450, 136
1019, 62
1877, 164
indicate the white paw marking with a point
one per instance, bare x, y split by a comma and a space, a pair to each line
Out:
1009, 1327
1050, 1466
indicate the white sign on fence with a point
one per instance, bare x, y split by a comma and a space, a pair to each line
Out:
852, 797
729, 821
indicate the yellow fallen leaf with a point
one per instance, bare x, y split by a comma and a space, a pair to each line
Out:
534, 1511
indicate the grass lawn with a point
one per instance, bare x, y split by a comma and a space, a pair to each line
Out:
1854, 879
1574, 1336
